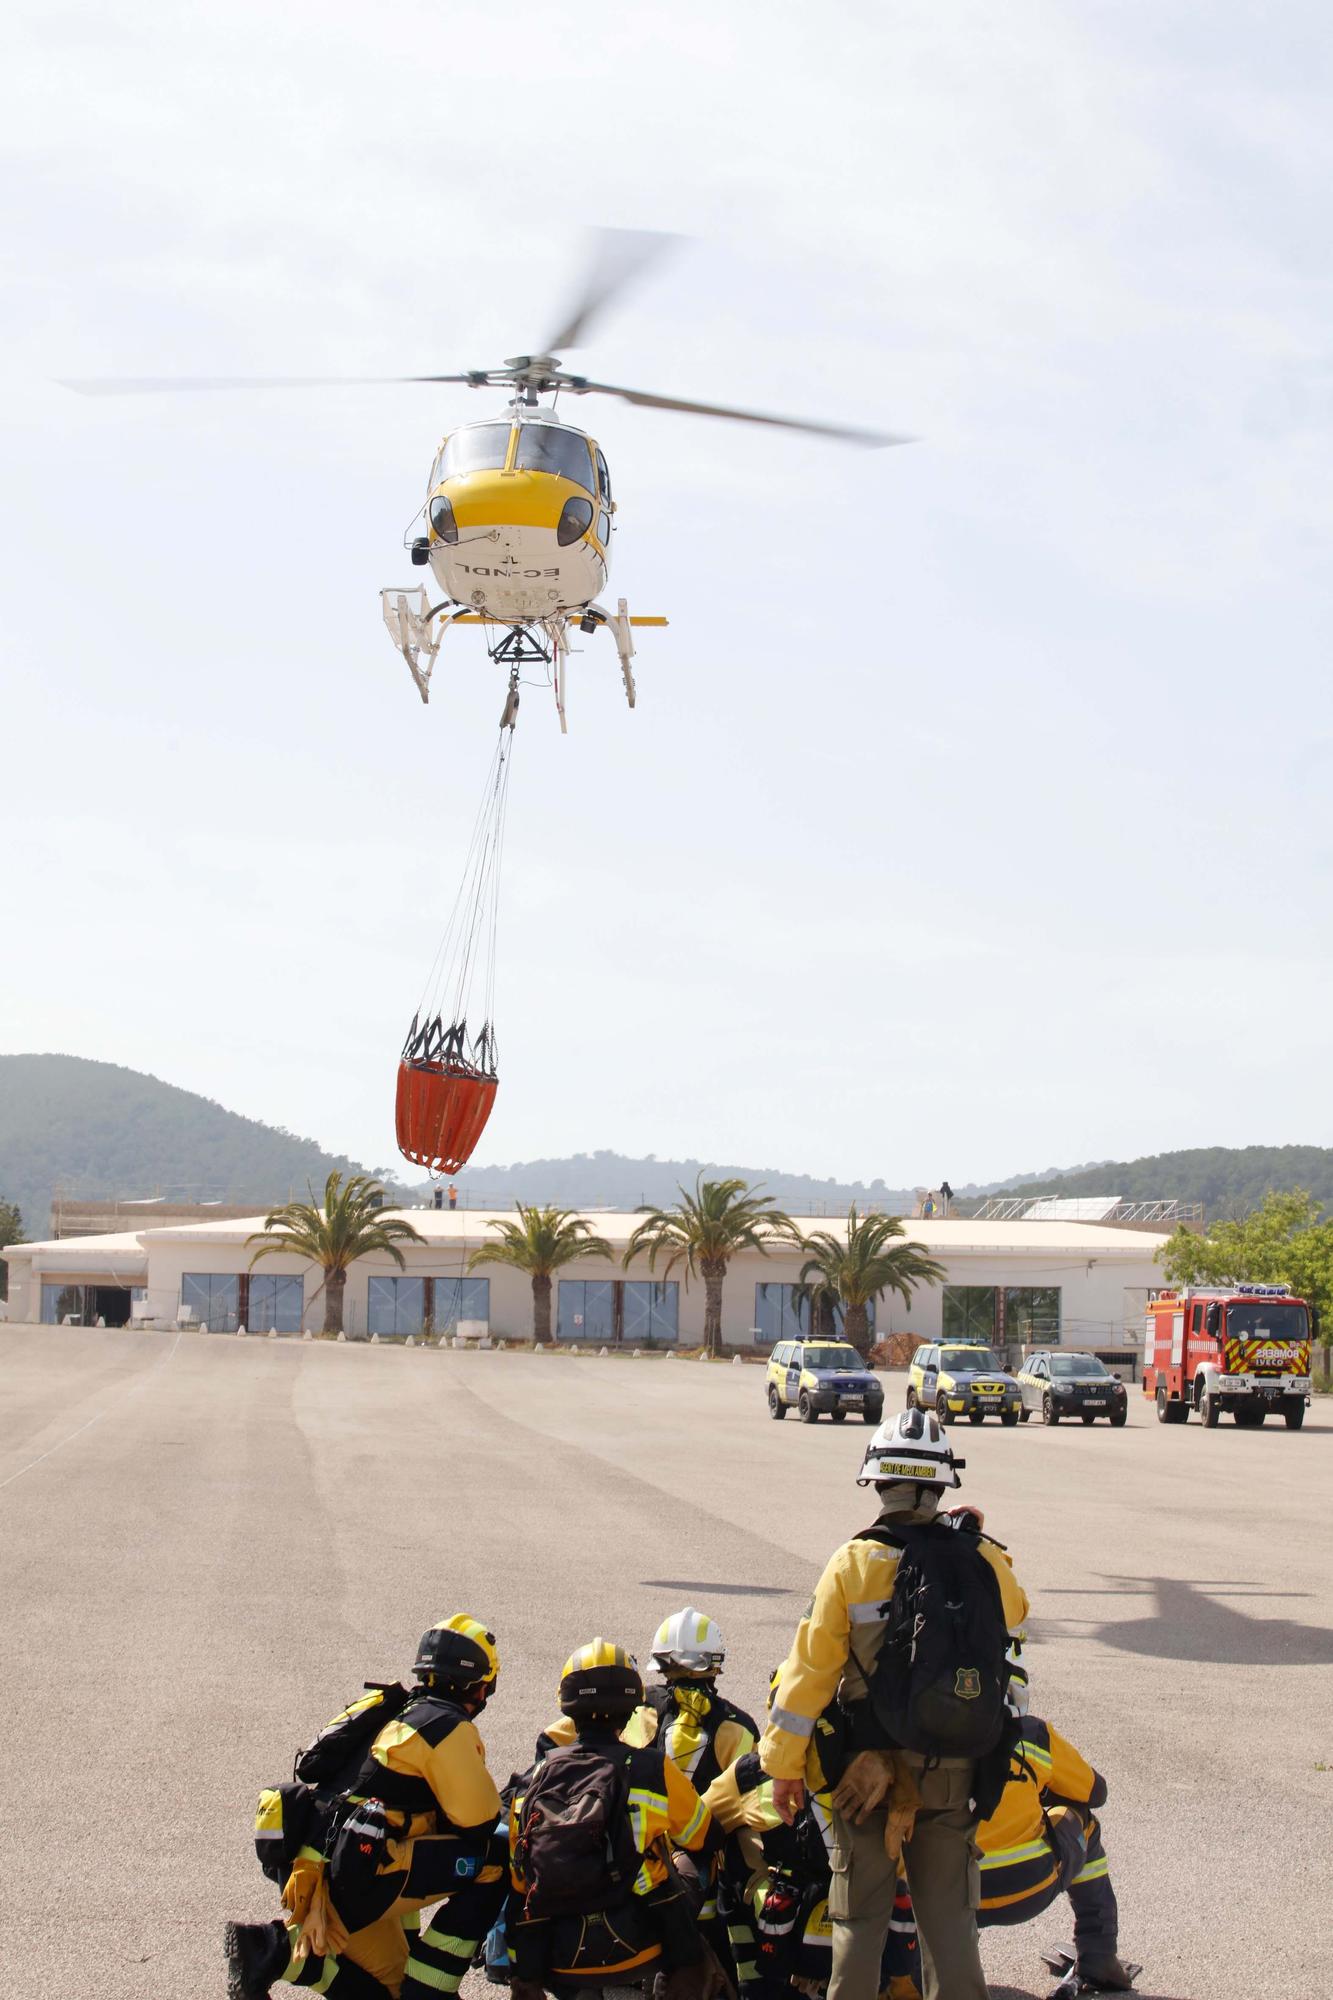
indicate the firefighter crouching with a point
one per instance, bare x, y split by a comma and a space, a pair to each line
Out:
953, 1680
1043, 1841
593, 1899
413, 1823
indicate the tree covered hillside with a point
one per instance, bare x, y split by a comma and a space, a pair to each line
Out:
101, 1129
1228, 1180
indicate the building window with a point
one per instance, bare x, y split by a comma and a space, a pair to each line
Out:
970, 1312
460, 1298
277, 1302
780, 1315
1032, 1315
611, 1312
425, 1305
1004, 1316
214, 1298
58, 1300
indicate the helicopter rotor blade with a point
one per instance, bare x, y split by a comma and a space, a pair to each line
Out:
845, 433
618, 256
153, 385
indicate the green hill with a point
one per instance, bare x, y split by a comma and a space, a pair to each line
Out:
101, 1129
1228, 1180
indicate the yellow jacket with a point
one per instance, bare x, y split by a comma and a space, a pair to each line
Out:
1017, 1859
682, 1732
837, 1643
435, 1766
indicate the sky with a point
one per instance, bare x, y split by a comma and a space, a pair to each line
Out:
974, 815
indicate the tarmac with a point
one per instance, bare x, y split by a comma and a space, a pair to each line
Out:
209, 1543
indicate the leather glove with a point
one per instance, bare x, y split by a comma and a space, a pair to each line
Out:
864, 1785
300, 1886
704, 1980
904, 1805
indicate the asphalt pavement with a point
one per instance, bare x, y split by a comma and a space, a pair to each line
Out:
209, 1543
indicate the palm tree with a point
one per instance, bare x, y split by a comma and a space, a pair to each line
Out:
703, 1232
542, 1241
350, 1224
869, 1263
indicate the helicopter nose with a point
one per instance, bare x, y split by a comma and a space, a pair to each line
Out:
504, 499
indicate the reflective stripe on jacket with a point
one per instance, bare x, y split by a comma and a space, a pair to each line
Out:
837, 1642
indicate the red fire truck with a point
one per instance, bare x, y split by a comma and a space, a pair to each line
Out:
1243, 1348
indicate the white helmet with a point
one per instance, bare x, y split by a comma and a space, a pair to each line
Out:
688, 1642
911, 1449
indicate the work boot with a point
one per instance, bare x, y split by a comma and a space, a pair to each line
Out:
256, 1955
1106, 1973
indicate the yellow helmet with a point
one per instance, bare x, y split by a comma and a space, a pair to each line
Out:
600, 1679
460, 1652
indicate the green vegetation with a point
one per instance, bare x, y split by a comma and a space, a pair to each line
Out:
1229, 1180
1284, 1242
11, 1231
104, 1130
703, 1231
872, 1261
350, 1224
541, 1242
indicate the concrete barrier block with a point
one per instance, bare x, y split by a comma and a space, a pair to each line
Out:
240, 1333
307, 1335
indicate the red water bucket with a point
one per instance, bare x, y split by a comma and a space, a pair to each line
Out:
441, 1112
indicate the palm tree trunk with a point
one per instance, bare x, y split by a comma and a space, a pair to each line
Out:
714, 1270
335, 1289
857, 1327
541, 1310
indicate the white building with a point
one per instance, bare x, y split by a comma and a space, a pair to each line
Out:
1020, 1282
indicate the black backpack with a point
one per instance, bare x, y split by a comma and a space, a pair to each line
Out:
333, 1761
575, 1848
939, 1683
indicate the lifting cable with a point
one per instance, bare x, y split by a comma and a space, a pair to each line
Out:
447, 1073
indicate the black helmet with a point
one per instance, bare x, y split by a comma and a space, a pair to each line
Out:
600, 1679
458, 1651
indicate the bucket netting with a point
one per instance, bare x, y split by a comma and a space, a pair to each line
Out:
448, 1072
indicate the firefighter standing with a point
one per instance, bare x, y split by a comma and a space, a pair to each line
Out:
835, 1651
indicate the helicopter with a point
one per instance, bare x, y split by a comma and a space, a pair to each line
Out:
519, 513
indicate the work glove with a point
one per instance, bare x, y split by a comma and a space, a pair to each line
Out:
704, 1980
904, 1805
864, 1785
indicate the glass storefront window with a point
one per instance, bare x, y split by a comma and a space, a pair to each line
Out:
59, 1300
970, 1313
1032, 1315
611, 1312
780, 1315
399, 1306
546, 448
214, 1298
278, 1302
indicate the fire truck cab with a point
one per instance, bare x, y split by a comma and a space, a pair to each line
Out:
1243, 1348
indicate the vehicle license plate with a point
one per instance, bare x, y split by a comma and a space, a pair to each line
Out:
845, 1398
1094, 1402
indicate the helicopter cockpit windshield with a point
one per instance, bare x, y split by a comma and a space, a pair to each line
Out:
547, 448
479, 448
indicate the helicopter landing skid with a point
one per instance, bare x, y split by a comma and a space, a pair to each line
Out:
417, 629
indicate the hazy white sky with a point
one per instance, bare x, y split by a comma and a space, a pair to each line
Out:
974, 816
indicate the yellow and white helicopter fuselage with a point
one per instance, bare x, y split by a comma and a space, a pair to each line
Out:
518, 520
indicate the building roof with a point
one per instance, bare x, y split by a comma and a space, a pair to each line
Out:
461, 1230
120, 1256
